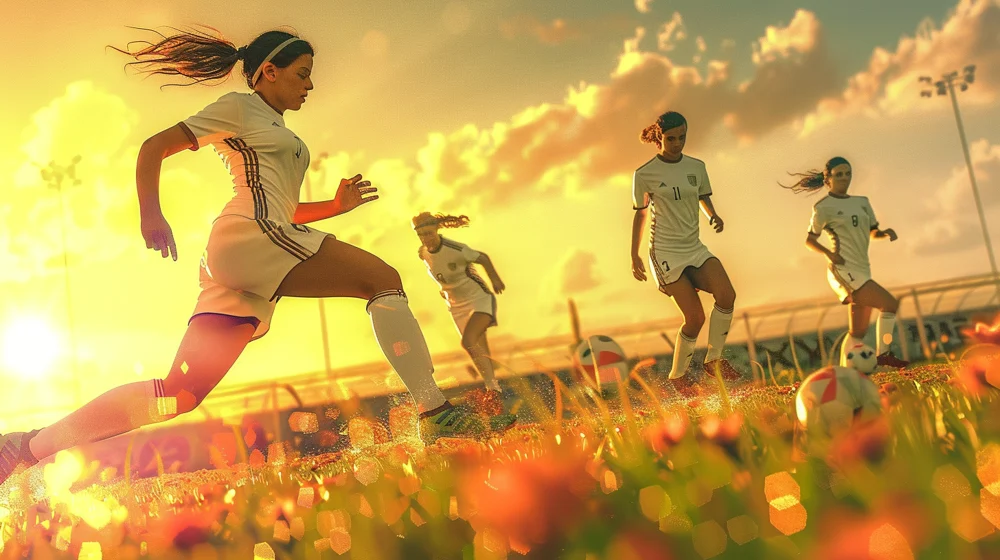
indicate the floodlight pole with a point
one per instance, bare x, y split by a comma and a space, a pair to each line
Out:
948, 83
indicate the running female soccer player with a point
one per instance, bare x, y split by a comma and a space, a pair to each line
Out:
677, 186
258, 250
850, 223
472, 305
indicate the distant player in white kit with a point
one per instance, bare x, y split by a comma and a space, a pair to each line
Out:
850, 223
258, 250
471, 303
678, 189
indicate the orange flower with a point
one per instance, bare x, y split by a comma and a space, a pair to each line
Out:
982, 333
532, 501
661, 436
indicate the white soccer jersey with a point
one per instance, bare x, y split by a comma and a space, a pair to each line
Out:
673, 189
849, 222
451, 266
266, 160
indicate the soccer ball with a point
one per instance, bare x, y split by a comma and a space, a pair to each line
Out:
610, 360
831, 400
861, 357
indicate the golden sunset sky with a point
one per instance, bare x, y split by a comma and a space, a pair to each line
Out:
523, 115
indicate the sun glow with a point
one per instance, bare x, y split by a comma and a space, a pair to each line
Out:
31, 348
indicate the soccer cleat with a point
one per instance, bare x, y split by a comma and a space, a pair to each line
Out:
500, 423
889, 360
452, 421
14, 453
685, 386
726, 369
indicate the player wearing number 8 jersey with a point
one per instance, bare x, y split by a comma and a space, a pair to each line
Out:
850, 223
677, 188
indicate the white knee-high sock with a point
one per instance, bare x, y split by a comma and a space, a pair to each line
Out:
718, 330
849, 342
402, 342
884, 329
683, 351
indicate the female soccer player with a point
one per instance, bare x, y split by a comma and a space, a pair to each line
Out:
850, 223
677, 186
258, 250
473, 306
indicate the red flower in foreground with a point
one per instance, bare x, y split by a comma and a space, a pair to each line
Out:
661, 436
863, 442
531, 501
984, 334
978, 374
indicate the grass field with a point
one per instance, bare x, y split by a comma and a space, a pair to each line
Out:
653, 476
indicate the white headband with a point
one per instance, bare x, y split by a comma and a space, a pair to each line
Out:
256, 75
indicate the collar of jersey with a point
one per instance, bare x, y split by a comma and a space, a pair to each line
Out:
258, 99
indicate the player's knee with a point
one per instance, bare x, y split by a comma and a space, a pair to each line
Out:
385, 279
726, 299
694, 321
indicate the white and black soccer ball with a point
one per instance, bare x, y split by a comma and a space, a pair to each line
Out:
603, 354
861, 357
832, 400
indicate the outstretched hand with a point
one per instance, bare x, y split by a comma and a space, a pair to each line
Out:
352, 193
158, 236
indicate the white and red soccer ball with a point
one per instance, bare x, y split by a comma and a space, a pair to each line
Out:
601, 354
833, 400
861, 357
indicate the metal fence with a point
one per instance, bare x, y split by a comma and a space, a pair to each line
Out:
806, 330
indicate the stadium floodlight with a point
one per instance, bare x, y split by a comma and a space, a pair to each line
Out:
946, 85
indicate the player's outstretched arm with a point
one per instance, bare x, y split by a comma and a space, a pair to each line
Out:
491, 271
638, 224
351, 193
709, 209
155, 230
812, 241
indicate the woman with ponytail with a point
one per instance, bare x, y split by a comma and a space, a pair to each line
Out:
850, 223
677, 187
259, 249
472, 305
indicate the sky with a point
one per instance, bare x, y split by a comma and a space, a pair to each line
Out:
524, 116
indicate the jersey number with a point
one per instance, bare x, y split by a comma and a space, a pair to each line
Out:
677, 193
854, 220
666, 267
850, 277
440, 277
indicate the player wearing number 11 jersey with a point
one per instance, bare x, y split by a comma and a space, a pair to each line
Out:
678, 189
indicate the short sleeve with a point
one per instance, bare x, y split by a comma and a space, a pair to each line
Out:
640, 192
705, 188
818, 222
872, 220
218, 121
470, 254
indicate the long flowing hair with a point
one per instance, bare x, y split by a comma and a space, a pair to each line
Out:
813, 180
205, 55
439, 220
